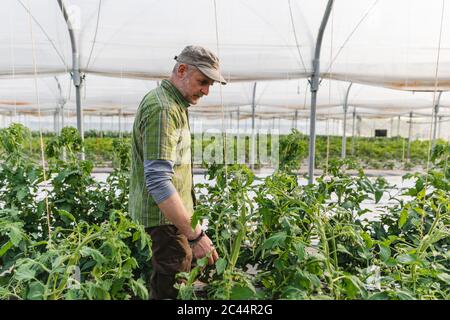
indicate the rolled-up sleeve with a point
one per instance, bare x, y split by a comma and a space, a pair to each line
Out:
158, 179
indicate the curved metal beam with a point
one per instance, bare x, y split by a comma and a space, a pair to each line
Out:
76, 76
408, 150
344, 135
314, 87
436, 111
353, 131
252, 159
61, 101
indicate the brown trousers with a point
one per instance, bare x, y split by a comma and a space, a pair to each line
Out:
171, 254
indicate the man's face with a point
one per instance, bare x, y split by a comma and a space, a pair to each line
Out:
194, 84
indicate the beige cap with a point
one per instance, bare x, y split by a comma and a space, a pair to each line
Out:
206, 61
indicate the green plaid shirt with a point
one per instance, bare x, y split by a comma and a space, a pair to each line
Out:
160, 132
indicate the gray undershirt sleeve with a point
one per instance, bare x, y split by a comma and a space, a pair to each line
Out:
158, 179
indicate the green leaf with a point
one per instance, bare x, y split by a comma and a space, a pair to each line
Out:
35, 291
24, 272
221, 265
241, 293
403, 218
22, 193
58, 261
444, 277
419, 184
365, 254
379, 296
145, 240
203, 262
391, 262
139, 289
15, 233
407, 258
73, 294
276, 240
385, 252
94, 253
300, 248
348, 204
367, 239
353, 286
378, 195
404, 295
96, 292
313, 279
341, 248
66, 215
5, 248
225, 235
321, 297
420, 211
195, 219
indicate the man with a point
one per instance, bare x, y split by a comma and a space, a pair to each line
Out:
161, 191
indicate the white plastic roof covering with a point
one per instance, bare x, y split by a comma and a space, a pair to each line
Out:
399, 44
273, 98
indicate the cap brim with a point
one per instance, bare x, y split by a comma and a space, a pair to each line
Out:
213, 74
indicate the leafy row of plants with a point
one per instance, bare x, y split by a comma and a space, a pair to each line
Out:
369, 153
280, 240
64, 235
373, 153
92, 133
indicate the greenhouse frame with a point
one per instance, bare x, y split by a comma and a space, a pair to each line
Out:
324, 78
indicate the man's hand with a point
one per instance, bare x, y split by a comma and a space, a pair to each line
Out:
204, 246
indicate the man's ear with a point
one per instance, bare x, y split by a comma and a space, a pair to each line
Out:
182, 70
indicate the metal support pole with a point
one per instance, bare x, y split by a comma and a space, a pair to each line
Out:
101, 125
61, 102
392, 127
296, 119
238, 118
62, 117
436, 111
120, 123
56, 121
76, 75
353, 131
344, 134
408, 150
403, 150
440, 126
252, 155
398, 127
31, 139
358, 128
314, 88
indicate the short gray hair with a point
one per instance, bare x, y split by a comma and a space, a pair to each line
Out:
189, 67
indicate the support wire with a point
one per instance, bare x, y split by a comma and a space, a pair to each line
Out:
39, 122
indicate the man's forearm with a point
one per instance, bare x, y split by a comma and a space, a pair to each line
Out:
174, 210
